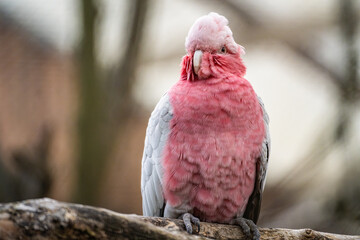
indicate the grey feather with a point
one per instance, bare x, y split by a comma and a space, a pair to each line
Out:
264, 159
152, 170
252, 210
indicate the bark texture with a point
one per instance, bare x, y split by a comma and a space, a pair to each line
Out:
50, 219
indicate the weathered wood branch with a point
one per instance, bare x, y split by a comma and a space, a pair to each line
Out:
50, 219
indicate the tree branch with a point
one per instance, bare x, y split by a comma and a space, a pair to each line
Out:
50, 219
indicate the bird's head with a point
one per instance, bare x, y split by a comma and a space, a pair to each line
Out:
211, 50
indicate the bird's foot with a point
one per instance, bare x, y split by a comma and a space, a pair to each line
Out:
188, 219
248, 227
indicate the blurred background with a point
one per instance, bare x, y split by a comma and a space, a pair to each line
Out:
79, 79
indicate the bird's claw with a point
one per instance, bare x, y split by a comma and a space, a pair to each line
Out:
188, 219
248, 227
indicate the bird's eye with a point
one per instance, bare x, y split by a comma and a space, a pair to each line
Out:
223, 49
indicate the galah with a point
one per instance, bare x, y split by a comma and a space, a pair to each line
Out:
207, 141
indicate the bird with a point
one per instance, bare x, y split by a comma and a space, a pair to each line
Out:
207, 143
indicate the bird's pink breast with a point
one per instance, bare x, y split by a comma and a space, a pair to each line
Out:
216, 135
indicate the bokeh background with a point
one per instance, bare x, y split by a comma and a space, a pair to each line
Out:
78, 81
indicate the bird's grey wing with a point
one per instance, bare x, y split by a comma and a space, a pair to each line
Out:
152, 170
252, 210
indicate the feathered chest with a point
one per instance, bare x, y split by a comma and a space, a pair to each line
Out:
215, 106
216, 135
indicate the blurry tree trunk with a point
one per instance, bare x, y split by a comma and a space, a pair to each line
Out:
105, 106
345, 206
49, 219
91, 154
349, 90
122, 78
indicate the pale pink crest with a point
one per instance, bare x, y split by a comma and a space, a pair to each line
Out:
210, 32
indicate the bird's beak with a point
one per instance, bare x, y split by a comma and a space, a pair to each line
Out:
197, 60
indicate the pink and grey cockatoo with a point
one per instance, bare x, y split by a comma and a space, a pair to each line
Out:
207, 142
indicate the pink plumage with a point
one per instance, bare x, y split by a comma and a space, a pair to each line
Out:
217, 129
